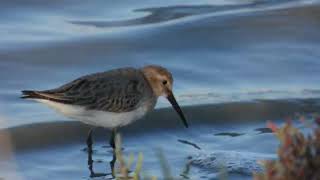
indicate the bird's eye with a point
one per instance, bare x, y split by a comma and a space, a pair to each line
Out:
164, 82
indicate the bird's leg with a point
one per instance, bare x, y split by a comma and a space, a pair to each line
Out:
90, 151
112, 138
90, 160
89, 139
113, 145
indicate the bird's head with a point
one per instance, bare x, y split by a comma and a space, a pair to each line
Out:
161, 82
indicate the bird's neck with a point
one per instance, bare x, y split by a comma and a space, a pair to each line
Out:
152, 81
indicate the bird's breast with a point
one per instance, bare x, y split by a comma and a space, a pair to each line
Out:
114, 119
101, 118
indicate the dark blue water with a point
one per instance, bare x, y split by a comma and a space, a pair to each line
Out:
219, 51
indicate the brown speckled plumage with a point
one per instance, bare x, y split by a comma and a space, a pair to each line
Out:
113, 98
119, 90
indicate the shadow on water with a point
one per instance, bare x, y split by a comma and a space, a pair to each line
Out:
189, 143
231, 134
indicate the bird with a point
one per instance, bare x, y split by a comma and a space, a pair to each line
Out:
110, 99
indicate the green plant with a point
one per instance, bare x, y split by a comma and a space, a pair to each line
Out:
122, 172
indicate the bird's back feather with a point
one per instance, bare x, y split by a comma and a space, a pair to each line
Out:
119, 90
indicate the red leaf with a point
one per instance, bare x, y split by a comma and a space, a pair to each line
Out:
272, 126
317, 120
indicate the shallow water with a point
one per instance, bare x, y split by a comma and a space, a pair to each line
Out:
226, 54
229, 137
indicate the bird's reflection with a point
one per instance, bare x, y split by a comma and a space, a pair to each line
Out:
94, 174
124, 171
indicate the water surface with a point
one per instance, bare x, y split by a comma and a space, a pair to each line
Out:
243, 62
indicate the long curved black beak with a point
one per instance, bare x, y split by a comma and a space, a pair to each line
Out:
176, 107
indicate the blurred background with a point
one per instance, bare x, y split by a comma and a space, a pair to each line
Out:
236, 64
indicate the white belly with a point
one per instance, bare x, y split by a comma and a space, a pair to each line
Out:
97, 118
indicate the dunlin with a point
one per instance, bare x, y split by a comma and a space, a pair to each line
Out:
110, 99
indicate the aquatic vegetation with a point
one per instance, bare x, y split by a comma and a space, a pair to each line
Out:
298, 155
123, 170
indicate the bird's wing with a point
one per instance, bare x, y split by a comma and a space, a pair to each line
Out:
118, 90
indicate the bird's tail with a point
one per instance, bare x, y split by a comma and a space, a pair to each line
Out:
27, 94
